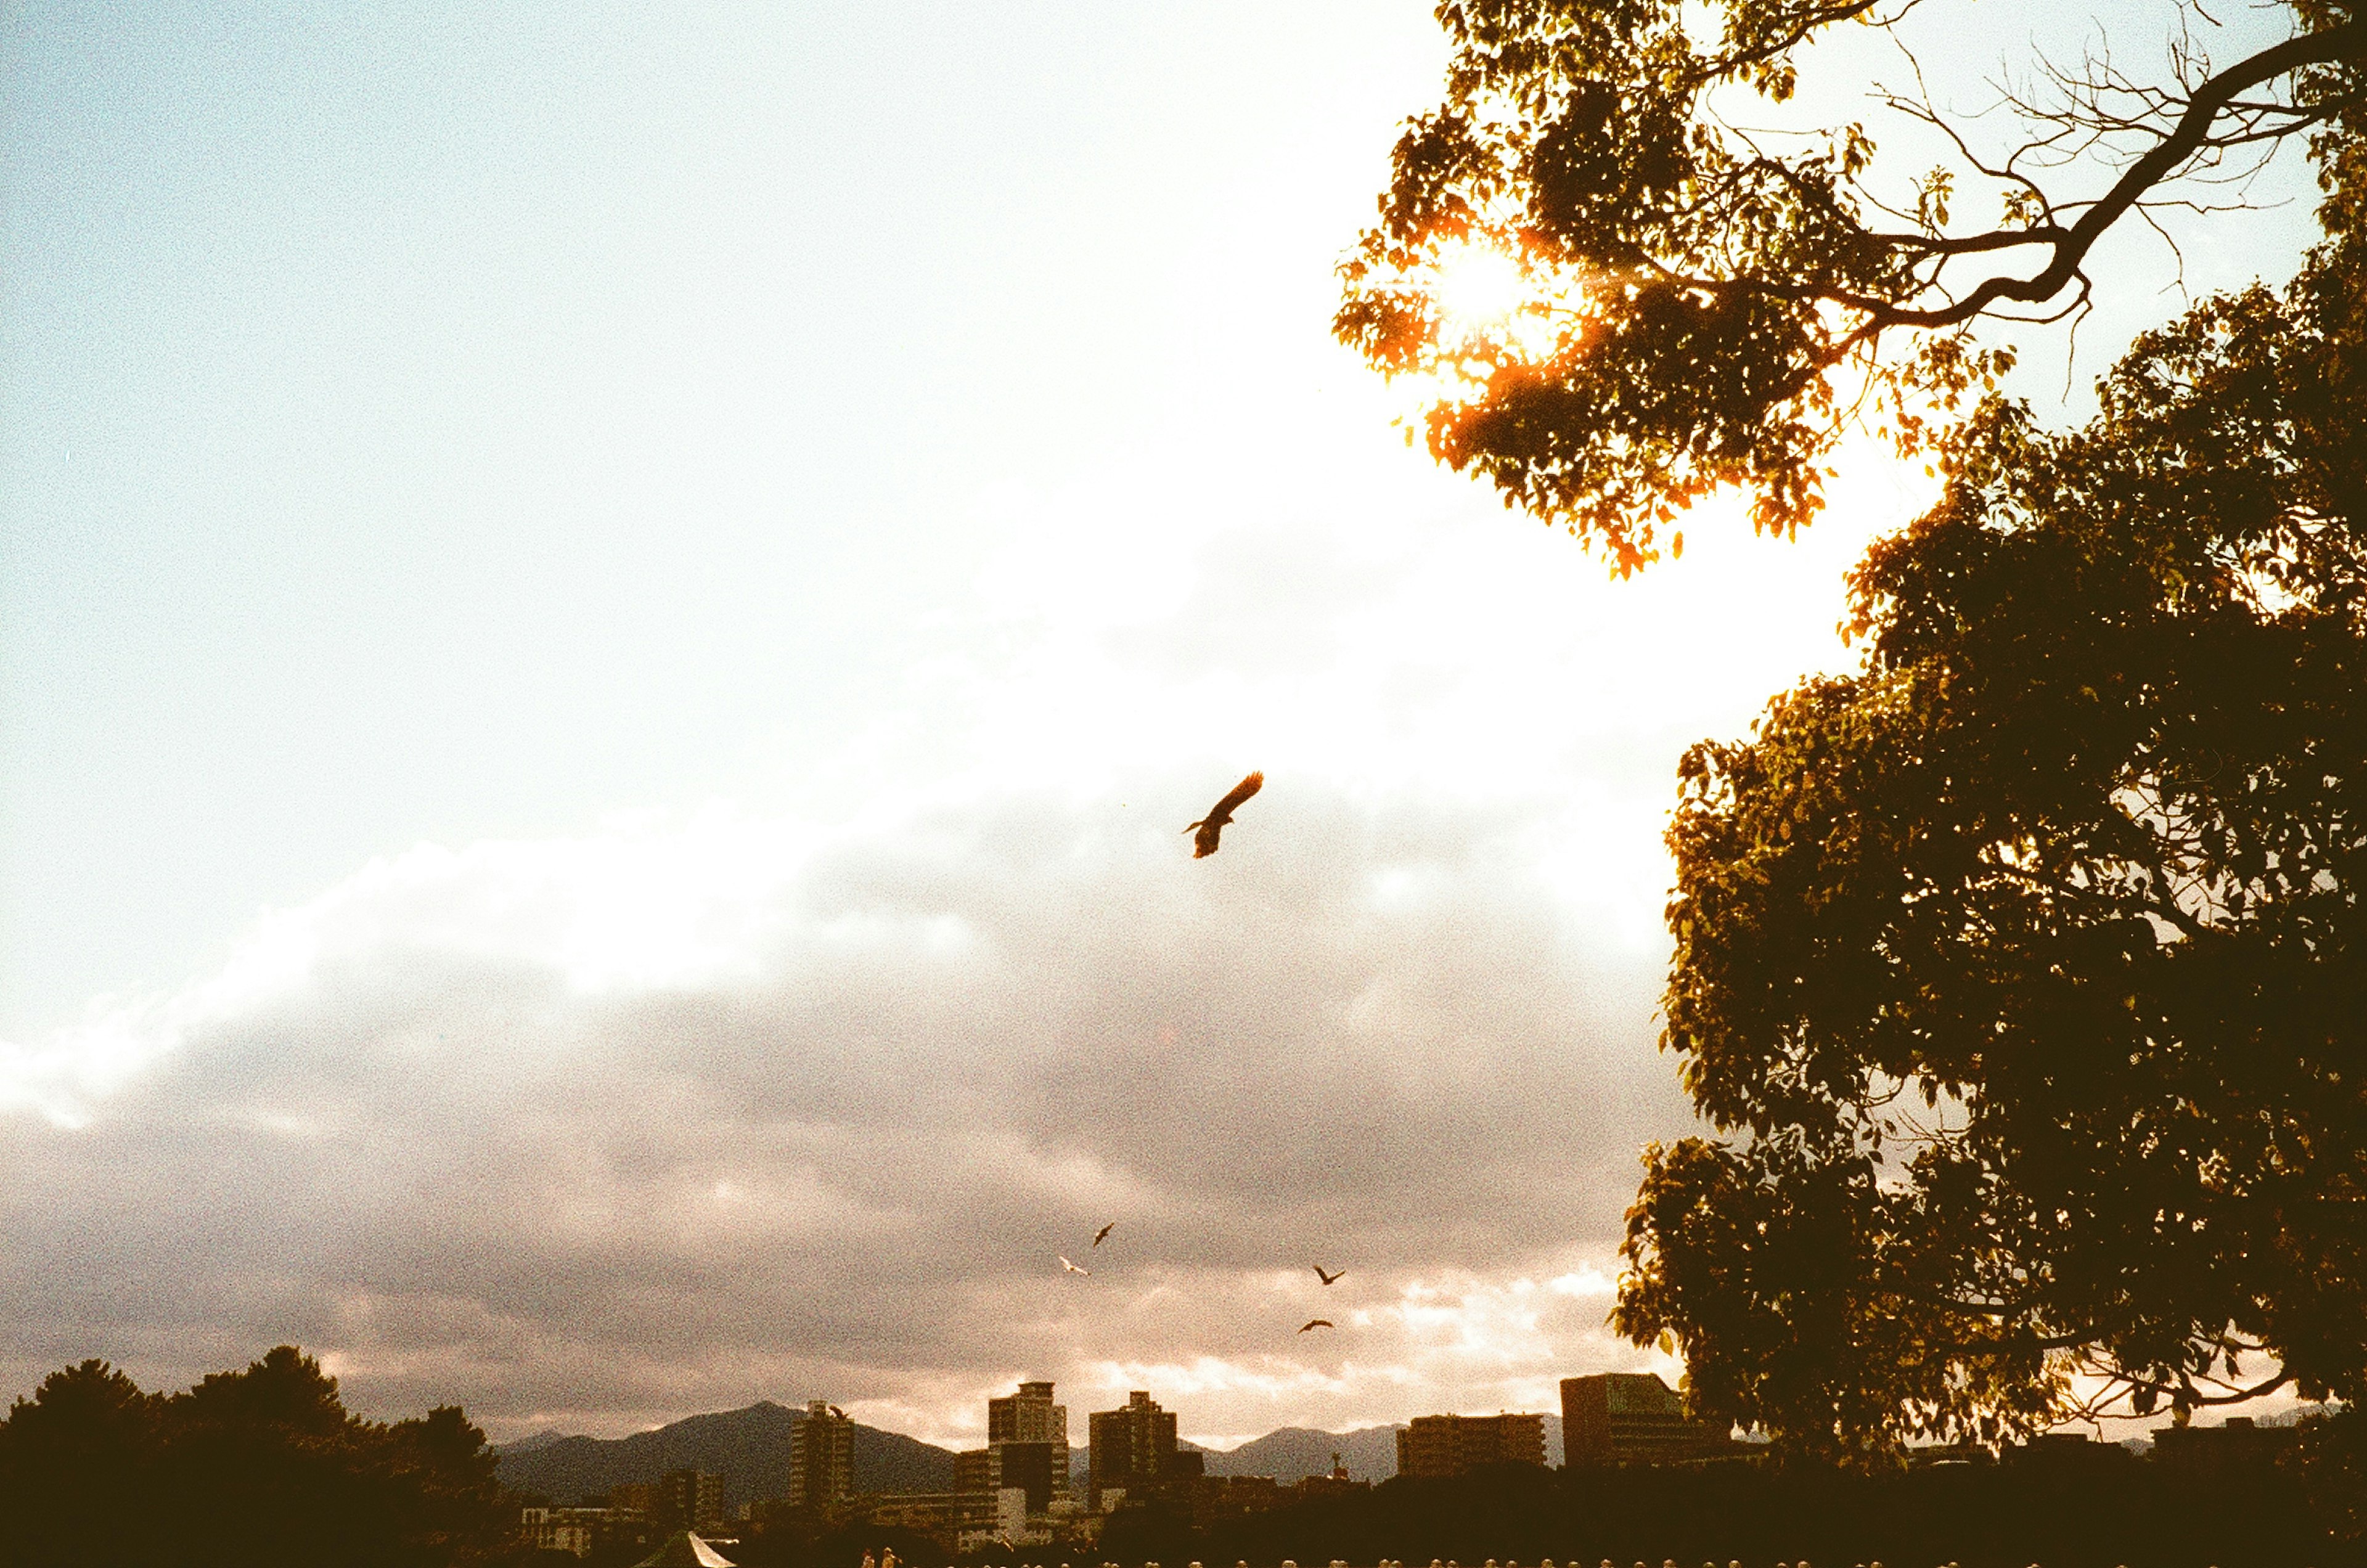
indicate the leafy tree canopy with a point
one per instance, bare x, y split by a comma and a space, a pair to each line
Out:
259, 1466
1707, 304
2023, 972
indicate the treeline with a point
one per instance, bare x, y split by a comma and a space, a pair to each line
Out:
262, 1468
2093, 1515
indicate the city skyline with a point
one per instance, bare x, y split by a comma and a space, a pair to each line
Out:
959, 1439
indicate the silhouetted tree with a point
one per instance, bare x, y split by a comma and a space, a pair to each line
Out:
79, 1468
259, 1466
1709, 303
2024, 971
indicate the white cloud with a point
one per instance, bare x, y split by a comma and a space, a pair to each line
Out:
602, 1129
475, 1141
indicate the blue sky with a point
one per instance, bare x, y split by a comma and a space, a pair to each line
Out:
609, 614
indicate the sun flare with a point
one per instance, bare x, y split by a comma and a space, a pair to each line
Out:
1479, 287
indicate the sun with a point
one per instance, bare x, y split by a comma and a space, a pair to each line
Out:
1478, 288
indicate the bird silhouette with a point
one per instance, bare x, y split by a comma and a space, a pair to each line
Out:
1327, 1278
1101, 1235
1074, 1269
1208, 826
1315, 1322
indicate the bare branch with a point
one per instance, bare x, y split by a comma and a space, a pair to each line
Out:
2347, 41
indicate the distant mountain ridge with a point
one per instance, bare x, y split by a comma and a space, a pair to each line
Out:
1370, 1453
748, 1449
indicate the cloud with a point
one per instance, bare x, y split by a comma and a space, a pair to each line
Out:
637, 1123
598, 1130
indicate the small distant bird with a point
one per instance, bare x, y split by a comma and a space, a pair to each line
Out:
1101, 1235
1327, 1278
1315, 1322
1074, 1269
1208, 826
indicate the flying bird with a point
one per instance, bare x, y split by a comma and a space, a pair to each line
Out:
1074, 1269
1208, 826
1315, 1322
1327, 1278
1101, 1235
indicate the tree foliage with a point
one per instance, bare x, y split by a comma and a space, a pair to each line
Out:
1711, 305
2023, 972
259, 1466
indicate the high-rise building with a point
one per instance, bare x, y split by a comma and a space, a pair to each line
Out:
1031, 1468
822, 1459
1027, 1449
1627, 1418
1449, 1445
1027, 1417
974, 1488
974, 1471
1134, 1451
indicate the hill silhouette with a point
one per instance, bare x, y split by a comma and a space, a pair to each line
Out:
748, 1449
1369, 1452
1286, 1454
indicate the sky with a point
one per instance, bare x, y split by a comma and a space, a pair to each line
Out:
608, 619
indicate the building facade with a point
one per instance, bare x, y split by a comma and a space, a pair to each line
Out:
1028, 1442
2239, 1444
1027, 1451
688, 1500
1133, 1451
940, 1515
1338, 1483
822, 1459
575, 1530
1450, 1445
1216, 1498
1615, 1418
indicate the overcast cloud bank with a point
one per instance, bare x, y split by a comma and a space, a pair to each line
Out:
596, 1130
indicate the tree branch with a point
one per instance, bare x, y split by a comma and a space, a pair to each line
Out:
2347, 41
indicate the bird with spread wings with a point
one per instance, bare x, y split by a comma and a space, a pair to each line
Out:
1327, 1278
1204, 843
1316, 1323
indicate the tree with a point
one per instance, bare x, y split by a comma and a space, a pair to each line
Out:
2023, 972
77, 1460
264, 1465
1709, 305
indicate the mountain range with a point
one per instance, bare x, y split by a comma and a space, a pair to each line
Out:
1368, 1454
750, 1450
